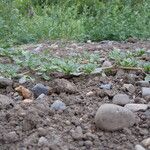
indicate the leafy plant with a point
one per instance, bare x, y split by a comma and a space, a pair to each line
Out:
147, 67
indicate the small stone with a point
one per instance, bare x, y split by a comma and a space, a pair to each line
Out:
91, 93
146, 142
143, 83
77, 134
106, 86
139, 147
107, 64
42, 131
63, 85
136, 107
4, 82
145, 91
5, 102
97, 70
129, 87
88, 143
39, 89
68, 123
42, 141
113, 117
42, 97
121, 99
11, 137
23, 80
58, 105
27, 101
89, 41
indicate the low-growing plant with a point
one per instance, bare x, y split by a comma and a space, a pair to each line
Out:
146, 67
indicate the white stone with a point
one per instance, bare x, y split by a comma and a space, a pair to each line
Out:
113, 117
139, 147
146, 142
121, 99
129, 87
145, 91
136, 107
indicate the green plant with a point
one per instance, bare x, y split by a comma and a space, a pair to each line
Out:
146, 67
129, 62
89, 68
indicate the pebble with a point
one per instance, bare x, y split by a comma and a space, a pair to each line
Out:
27, 101
121, 99
106, 86
91, 93
139, 147
42, 141
107, 64
129, 87
146, 142
58, 105
145, 91
4, 82
22, 80
5, 102
77, 134
143, 83
42, 97
112, 117
39, 88
136, 107
88, 143
63, 85
11, 137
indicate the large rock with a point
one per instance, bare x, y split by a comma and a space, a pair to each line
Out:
121, 99
63, 85
113, 117
4, 82
136, 107
5, 102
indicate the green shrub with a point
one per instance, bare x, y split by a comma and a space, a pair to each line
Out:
30, 21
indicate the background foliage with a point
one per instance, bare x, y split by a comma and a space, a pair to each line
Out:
24, 21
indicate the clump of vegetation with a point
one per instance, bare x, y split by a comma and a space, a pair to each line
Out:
24, 21
44, 64
126, 59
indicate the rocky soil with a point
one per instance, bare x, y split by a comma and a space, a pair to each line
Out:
88, 112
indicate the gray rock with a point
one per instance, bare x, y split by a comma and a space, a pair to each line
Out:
139, 147
42, 141
42, 97
23, 80
146, 142
143, 83
136, 107
129, 87
106, 86
39, 89
113, 117
63, 85
11, 137
121, 99
148, 53
4, 82
58, 105
107, 64
77, 134
5, 102
145, 91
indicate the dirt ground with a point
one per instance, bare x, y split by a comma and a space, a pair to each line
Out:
34, 126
